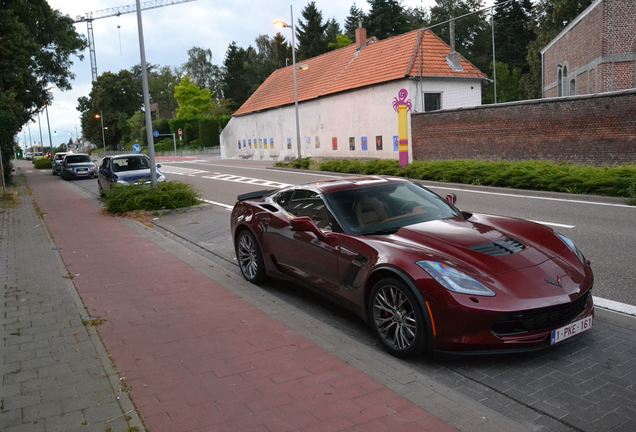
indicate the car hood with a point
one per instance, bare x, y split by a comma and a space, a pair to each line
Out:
135, 176
474, 243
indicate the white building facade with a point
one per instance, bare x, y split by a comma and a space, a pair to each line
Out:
346, 108
355, 124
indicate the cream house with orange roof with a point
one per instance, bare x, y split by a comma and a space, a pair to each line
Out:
346, 99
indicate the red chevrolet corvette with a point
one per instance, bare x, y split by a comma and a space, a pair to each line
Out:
424, 275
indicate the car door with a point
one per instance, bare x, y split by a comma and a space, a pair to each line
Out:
302, 254
103, 177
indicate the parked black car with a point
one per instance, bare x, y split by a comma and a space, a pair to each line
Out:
78, 165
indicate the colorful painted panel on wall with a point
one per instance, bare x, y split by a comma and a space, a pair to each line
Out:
396, 142
334, 143
317, 142
364, 144
271, 143
352, 143
403, 105
244, 143
239, 144
378, 142
249, 142
288, 143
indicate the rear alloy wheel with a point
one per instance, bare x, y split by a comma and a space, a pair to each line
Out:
249, 257
397, 318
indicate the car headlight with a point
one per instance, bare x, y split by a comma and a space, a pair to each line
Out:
454, 280
570, 244
123, 182
161, 178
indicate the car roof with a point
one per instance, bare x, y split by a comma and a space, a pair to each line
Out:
76, 154
128, 155
350, 183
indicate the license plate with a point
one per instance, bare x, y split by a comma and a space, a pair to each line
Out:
570, 330
82, 170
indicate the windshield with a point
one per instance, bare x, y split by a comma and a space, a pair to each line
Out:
385, 208
77, 159
131, 163
60, 156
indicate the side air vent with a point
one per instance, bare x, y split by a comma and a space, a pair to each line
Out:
269, 207
505, 246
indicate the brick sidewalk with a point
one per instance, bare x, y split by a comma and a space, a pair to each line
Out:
198, 358
52, 368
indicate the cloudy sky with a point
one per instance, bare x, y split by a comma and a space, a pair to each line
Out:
169, 32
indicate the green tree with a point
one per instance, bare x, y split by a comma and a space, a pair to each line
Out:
341, 41
386, 18
236, 81
354, 19
472, 32
193, 101
116, 96
509, 85
202, 71
332, 31
310, 33
513, 33
161, 85
36, 46
551, 17
417, 17
281, 51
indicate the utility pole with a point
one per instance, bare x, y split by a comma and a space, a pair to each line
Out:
144, 82
494, 61
41, 140
48, 125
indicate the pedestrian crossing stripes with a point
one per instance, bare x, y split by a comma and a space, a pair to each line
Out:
246, 180
171, 169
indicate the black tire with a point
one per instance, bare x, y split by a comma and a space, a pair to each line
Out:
249, 257
397, 318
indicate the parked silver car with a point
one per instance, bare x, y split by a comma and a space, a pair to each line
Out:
125, 170
58, 160
78, 165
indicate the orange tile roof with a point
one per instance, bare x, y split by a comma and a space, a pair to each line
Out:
413, 54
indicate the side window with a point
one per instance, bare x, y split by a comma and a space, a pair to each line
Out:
105, 163
308, 203
282, 198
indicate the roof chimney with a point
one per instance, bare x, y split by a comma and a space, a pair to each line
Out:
361, 37
453, 59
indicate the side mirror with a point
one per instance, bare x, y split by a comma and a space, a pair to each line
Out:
94, 160
158, 165
451, 198
305, 224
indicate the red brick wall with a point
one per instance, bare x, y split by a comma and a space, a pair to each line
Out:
598, 129
578, 47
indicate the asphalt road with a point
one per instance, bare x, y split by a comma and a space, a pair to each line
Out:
603, 228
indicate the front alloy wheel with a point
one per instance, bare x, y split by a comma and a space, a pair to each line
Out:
249, 257
396, 319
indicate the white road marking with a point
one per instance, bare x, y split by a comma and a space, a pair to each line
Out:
246, 180
225, 206
615, 306
553, 224
530, 196
170, 169
267, 169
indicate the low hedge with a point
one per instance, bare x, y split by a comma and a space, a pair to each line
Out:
617, 181
43, 163
169, 195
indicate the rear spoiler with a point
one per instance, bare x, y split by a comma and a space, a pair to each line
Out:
255, 194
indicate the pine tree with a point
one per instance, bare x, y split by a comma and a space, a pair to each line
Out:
386, 18
352, 22
472, 33
332, 31
417, 17
311, 32
513, 33
235, 87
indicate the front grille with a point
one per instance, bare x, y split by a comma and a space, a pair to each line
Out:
505, 246
540, 319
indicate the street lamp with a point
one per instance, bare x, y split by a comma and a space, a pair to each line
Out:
279, 23
100, 116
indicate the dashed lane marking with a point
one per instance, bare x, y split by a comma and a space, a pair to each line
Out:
560, 225
216, 203
246, 180
171, 169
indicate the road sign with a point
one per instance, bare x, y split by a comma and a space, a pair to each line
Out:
155, 134
136, 148
180, 132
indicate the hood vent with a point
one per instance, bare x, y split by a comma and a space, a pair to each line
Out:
505, 246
